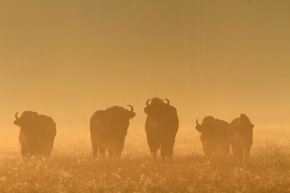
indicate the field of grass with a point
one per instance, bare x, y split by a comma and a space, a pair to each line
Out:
71, 167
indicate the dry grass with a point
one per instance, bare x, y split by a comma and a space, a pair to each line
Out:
72, 169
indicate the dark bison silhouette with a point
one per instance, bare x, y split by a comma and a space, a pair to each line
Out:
241, 136
109, 129
37, 133
215, 136
161, 126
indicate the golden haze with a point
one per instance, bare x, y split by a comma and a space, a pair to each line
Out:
70, 58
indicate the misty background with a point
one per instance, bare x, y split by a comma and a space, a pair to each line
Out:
69, 58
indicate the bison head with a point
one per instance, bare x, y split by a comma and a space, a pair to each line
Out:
245, 121
26, 121
244, 126
157, 109
207, 129
121, 114
119, 118
207, 123
126, 114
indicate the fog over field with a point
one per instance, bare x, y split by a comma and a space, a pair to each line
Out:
68, 58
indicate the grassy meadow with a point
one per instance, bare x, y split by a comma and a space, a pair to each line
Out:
71, 167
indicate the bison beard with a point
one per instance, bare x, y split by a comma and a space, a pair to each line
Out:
161, 127
109, 129
241, 136
37, 133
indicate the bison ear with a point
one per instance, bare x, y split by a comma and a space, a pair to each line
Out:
131, 115
17, 122
198, 128
146, 109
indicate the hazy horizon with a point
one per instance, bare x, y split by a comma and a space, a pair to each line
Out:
67, 59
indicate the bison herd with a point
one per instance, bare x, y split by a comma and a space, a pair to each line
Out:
217, 136
109, 127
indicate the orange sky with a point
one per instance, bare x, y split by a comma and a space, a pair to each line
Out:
68, 58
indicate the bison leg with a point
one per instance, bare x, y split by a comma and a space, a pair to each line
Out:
46, 148
95, 148
225, 149
166, 151
24, 152
208, 152
102, 151
119, 147
27, 149
167, 147
115, 147
154, 145
237, 148
153, 154
206, 149
112, 151
247, 151
95, 144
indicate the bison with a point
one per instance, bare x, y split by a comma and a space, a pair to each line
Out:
109, 129
161, 127
215, 137
37, 133
241, 136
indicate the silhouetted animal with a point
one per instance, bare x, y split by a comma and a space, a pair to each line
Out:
215, 136
161, 126
241, 136
37, 133
109, 129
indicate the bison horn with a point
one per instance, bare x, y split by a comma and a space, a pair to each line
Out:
16, 117
132, 109
147, 102
197, 123
168, 102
